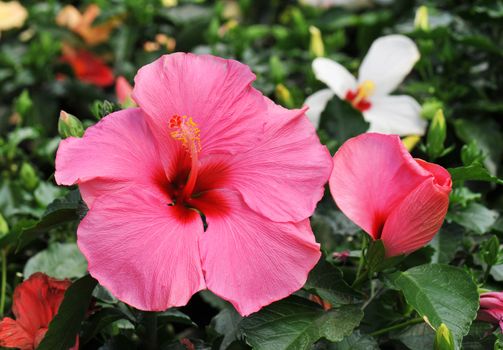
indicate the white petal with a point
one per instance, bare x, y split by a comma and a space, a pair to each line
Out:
349, 4
334, 75
400, 115
317, 103
389, 60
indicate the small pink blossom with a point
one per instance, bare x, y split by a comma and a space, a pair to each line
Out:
389, 194
123, 91
204, 142
491, 308
341, 256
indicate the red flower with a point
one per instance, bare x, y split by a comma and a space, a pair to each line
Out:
36, 302
88, 67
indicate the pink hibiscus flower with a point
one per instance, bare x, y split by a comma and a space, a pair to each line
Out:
392, 196
208, 184
491, 308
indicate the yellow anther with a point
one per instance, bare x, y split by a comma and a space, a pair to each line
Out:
186, 131
365, 89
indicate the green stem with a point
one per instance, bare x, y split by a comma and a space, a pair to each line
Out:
487, 272
361, 273
397, 326
4, 281
150, 322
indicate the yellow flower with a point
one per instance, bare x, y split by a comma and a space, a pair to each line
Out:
12, 15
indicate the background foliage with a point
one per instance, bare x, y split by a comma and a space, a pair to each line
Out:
460, 71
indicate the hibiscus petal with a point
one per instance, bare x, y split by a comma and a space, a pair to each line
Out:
114, 153
142, 250
284, 176
400, 115
334, 75
13, 335
388, 61
317, 103
215, 92
249, 260
372, 173
415, 221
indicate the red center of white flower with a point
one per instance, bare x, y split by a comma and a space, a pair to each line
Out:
359, 98
185, 130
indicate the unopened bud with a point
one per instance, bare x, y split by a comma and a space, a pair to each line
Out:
443, 338
436, 135
4, 227
69, 125
316, 47
421, 20
28, 176
284, 95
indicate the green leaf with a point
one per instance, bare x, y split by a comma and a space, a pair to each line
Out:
488, 137
440, 294
63, 329
62, 210
296, 323
226, 323
326, 281
174, 315
479, 337
98, 321
342, 121
473, 172
376, 257
356, 341
60, 260
446, 243
417, 337
490, 250
474, 217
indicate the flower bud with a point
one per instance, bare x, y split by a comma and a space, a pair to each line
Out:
284, 95
443, 338
4, 227
28, 176
316, 47
421, 20
69, 125
436, 135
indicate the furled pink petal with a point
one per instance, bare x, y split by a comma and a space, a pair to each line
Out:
414, 222
491, 308
249, 260
142, 250
215, 92
114, 153
284, 176
372, 174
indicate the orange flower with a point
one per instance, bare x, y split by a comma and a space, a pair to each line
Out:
36, 302
81, 23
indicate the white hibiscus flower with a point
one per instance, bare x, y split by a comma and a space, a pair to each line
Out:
385, 66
